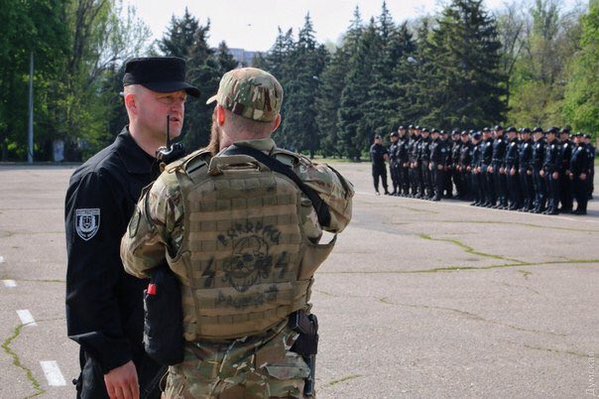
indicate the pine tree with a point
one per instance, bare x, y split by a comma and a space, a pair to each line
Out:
226, 61
333, 82
306, 64
180, 35
468, 80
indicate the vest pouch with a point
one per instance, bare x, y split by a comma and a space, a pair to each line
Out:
163, 318
314, 256
218, 165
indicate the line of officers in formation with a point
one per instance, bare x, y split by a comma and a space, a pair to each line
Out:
529, 170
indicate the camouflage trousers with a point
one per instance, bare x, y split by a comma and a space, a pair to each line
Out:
248, 368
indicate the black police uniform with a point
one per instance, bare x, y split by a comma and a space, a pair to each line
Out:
499, 179
103, 303
379, 169
415, 172
566, 194
394, 166
525, 174
511, 166
579, 163
404, 165
592, 151
464, 160
477, 178
552, 164
424, 157
539, 184
438, 166
488, 181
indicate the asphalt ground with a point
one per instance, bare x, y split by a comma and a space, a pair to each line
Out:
418, 300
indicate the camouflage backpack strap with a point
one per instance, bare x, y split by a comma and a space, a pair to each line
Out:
322, 209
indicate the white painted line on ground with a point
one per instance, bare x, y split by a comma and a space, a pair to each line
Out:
26, 317
9, 283
53, 374
1, 259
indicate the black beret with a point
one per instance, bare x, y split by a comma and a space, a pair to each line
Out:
476, 136
498, 127
553, 130
486, 130
525, 130
464, 133
511, 129
159, 74
565, 130
411, 127
537, 130
425, 130
401, 128
394, 134
587, 136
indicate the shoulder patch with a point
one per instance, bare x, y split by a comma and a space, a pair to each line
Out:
87, 222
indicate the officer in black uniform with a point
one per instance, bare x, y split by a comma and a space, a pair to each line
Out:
415, 175
424, 158
453, 176
439, 163
394, 162
538, 159
464, 170
104, 304
592, 153
578, 173
566, 194
511, 169
404, 162
498, 168
379, 155
552, 169
476, 174
526, 170
488, 187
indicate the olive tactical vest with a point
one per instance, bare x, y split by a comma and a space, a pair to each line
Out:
246, 259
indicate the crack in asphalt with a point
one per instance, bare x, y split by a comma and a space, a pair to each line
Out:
344, 379
16, 361
468, 249
467, 268
550, 350
471, 316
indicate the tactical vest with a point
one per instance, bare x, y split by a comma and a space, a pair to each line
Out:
247, 261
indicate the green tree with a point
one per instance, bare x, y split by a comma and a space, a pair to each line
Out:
468, 80
307, 61
181, 35
582, 93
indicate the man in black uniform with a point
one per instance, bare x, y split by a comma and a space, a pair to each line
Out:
566, 194
463, 168
526, 170
453, 175
394, 162
511, 169
379, 155
476, 158
592, 153
424, 157
415, 174
498, 168
579, 164
404, 163
552, 170
104, 304
538, 159
488, 187
439, 150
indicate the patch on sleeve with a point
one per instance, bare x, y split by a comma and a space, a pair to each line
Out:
87, 222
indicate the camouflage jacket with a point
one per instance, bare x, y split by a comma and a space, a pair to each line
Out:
157, 223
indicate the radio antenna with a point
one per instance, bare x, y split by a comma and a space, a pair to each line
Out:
168, 132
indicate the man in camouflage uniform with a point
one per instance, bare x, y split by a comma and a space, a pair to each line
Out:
244, 242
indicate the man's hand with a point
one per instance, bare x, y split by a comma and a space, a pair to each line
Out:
121, 382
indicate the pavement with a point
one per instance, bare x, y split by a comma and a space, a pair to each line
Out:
418, 299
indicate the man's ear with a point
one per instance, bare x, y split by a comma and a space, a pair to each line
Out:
277, 123
131, 103
220, 115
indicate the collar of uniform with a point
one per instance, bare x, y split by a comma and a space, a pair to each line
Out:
266, 145
134, 158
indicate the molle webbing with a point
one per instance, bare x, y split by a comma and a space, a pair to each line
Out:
242, 250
